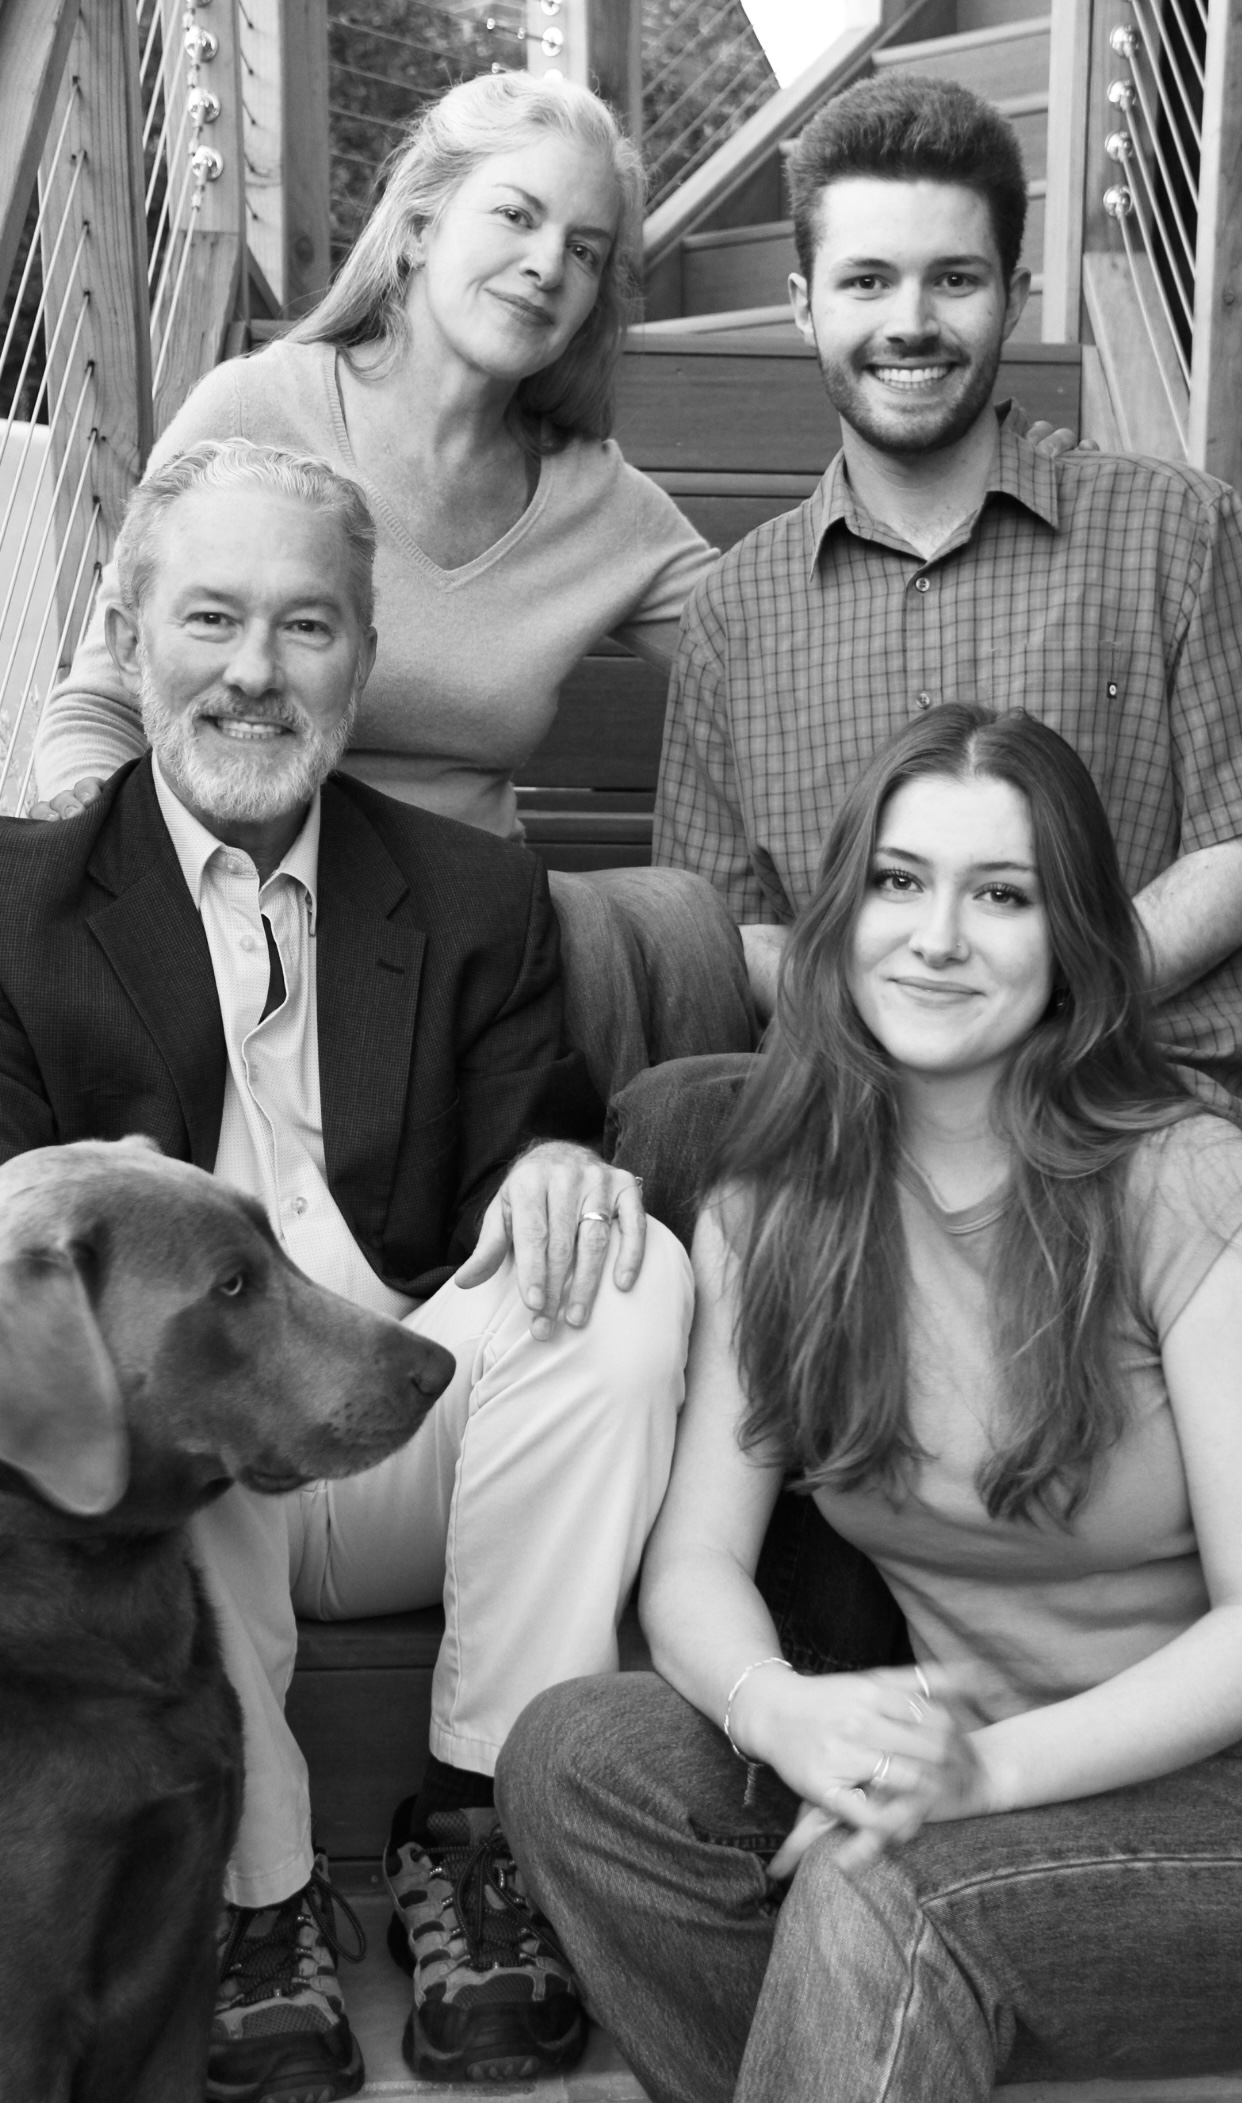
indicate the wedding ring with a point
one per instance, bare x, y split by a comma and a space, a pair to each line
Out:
606, 1217
917, 1708
921, 1682
882, 1766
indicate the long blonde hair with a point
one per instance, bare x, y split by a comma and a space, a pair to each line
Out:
571, 398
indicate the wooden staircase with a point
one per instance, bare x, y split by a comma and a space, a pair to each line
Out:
735, 276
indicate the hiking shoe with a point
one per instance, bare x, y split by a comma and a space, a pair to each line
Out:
494, 1997
280, 2033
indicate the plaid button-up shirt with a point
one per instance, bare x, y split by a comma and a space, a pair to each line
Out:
1103, 594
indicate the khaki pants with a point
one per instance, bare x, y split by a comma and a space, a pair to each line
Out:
523, 1502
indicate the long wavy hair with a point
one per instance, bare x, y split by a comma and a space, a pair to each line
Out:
574, 396
810, 1158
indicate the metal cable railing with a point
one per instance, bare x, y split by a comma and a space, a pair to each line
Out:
387, 60
48, 514
704, 73
1157, 95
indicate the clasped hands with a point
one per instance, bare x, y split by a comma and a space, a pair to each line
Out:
879, 1752
555, 1210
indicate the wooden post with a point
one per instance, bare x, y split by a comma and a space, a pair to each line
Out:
615, 58
261, 47
1068, 86
307, 153
556, 42
189, 323
1215, 436
104, 451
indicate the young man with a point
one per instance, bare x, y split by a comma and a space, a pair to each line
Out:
944, 558
351, 1009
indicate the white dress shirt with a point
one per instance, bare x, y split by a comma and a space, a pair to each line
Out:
271, 1132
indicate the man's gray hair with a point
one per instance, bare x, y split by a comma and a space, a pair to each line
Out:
236, 463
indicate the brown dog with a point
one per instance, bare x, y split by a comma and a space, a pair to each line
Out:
155, 1346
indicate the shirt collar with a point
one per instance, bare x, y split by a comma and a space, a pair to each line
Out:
195, 847
1021, 471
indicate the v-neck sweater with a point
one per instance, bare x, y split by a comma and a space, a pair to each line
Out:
470, 660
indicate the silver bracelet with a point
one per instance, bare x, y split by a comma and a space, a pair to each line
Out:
752, 1766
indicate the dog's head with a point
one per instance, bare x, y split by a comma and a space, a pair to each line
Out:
156, 1343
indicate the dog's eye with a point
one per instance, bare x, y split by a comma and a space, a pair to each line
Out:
231, 1287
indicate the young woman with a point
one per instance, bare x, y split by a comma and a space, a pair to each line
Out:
971, 1272
462, 369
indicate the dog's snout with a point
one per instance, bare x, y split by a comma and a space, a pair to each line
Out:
434, 1369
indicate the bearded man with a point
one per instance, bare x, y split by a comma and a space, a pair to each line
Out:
944, 557
350, 1009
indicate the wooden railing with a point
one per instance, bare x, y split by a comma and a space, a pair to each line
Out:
148, 185
1143, 243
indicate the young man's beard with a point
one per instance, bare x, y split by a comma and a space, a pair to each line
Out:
848, 392
239, 786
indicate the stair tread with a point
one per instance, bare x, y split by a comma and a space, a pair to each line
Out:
965, 40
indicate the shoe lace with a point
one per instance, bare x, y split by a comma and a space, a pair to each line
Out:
267, 1964
492, 1936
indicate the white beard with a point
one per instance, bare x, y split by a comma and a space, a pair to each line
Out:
239, 786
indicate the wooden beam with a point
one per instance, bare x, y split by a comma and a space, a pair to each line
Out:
1068, 86
1146, 393
34, 45
101, 355
760, 136
260, 42
190, 322
1215, 436
614, 30
307, 153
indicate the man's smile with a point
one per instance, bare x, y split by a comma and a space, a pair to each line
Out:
909, 379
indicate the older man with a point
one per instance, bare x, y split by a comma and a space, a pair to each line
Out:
351, 1009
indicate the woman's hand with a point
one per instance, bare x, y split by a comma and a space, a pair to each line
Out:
881, 1752
70, 803
1055, 442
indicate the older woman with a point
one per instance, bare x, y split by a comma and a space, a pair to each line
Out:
462, 370
973, 1273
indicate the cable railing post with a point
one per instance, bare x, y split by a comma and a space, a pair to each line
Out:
199, 281
284, 58
94, 263
1215, 433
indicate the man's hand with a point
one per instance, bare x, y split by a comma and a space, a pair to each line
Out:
763, 947
70, 803
555, 1210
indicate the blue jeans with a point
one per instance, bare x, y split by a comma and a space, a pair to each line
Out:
1101, 1937
653, 970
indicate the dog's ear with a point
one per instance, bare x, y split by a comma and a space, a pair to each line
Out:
61, 1418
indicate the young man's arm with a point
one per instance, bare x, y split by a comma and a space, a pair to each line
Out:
1193, 910
1193, 916
700, 821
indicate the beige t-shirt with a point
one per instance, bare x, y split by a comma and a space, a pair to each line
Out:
1049, 1610
470, 660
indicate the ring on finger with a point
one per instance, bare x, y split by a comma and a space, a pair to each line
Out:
917, 1708
922, 1683
882, 1766
605, 1217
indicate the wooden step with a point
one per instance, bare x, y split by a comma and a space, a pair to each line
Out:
748, 266
1011, 59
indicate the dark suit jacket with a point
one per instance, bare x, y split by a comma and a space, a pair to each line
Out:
438, 972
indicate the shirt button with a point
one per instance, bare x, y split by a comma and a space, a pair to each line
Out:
1112, 690
923, 700
248, 942
299, 1206
922, 584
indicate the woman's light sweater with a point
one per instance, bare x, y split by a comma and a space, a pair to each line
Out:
470, 659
